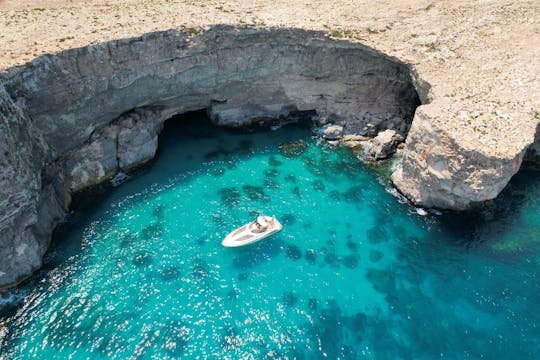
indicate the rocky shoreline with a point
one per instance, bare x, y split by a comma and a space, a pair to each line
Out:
71, 120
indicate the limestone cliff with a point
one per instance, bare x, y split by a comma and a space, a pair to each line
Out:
29, 202
454, 171
70, 120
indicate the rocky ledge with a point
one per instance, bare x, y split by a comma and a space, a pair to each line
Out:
71, 120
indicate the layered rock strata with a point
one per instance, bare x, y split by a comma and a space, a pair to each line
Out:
455, 168
72, 120
30, 204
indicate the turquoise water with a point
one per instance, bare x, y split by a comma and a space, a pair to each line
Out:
355, 273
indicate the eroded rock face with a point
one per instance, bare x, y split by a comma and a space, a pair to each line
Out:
385, 144
128, 141
437, 171
239, 75
29, 203
533, 152
70, 120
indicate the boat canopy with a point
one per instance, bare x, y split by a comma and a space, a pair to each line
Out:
262, 221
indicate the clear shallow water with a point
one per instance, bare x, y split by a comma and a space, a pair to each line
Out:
353, 274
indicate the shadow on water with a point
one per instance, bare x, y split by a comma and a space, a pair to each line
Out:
506, 226
201, 144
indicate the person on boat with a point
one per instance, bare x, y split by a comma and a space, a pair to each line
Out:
261, 224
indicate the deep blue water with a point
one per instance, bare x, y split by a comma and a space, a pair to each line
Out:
355, 273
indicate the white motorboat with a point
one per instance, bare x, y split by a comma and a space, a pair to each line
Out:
256, 230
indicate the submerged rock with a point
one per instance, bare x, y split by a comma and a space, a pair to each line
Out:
243, 276
311, 256
175, 336
254, 192
290, 178
272, 173
293, 148
232, 295
288, 219
169, 273
294, 252
152, 231
332, 260
201, 269
290, 299
272, 161
352, 246
312, 304
318, 185
375, 256
143, 258
270, 183
230, 196
231, 339
350, 261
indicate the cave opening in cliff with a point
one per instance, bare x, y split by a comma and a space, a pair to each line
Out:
197, 124
92, 111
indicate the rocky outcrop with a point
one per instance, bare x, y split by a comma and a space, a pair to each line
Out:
333, 132
533, 152
71, 120
129, 141
354, 141
239, 75
454, 171
385, 144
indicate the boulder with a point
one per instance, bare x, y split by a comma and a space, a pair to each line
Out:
333, 132
385, 144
